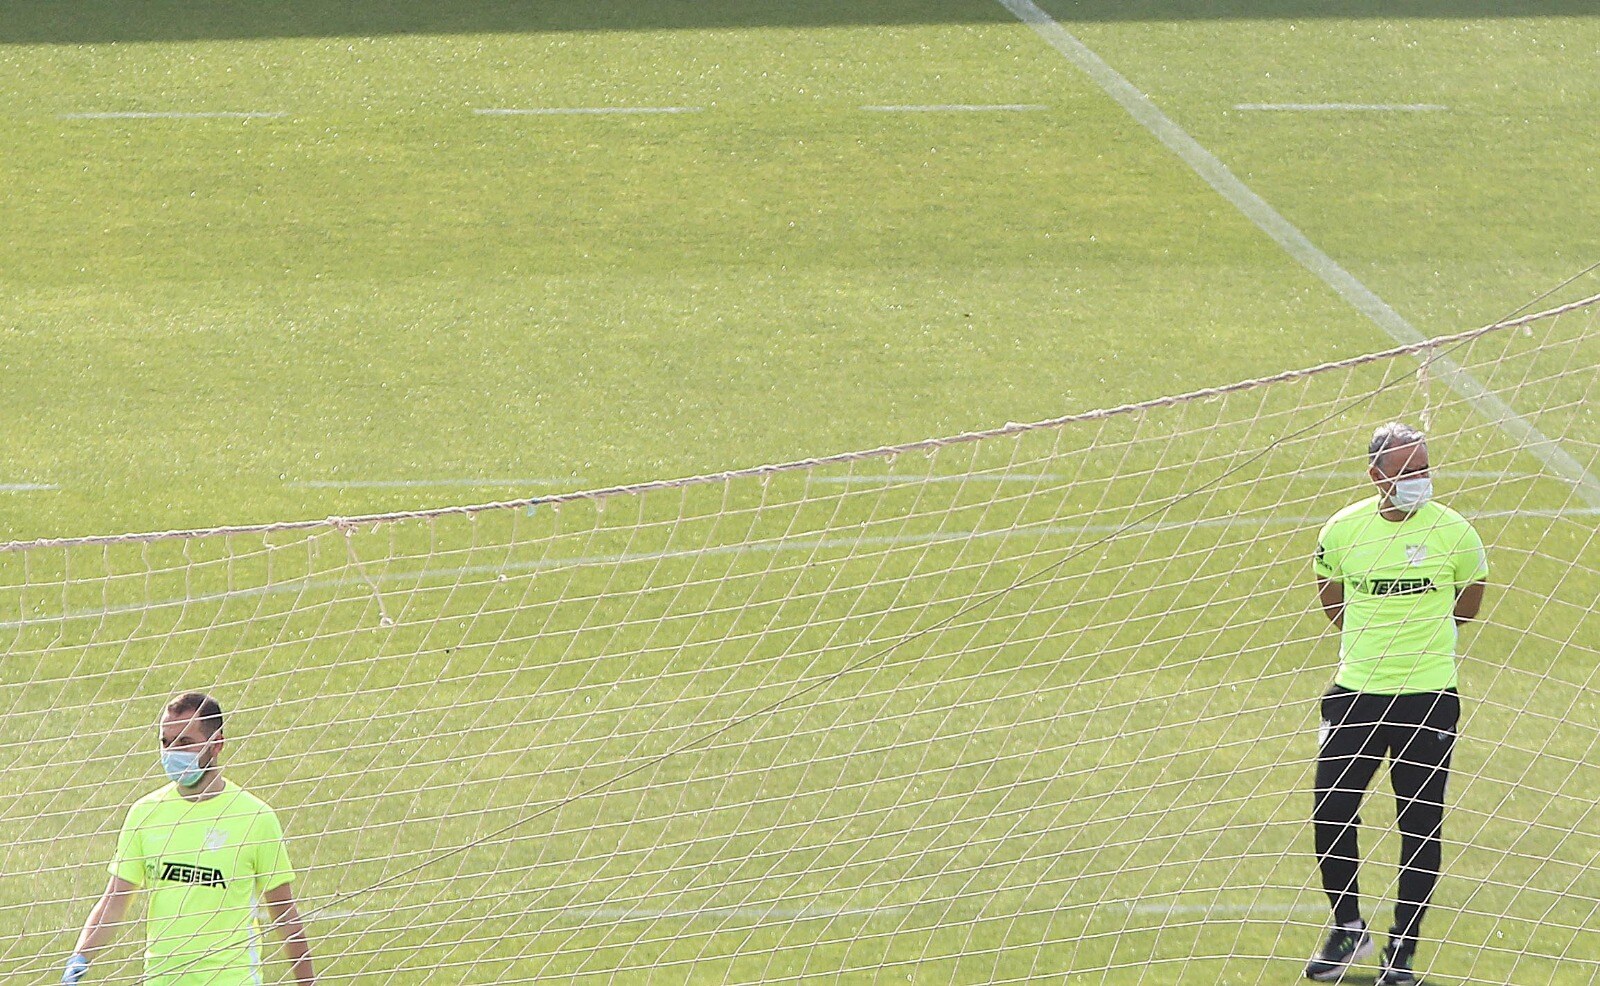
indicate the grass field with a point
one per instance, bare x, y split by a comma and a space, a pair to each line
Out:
360, 294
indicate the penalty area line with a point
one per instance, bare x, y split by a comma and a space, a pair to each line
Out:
1557, 461
29, 488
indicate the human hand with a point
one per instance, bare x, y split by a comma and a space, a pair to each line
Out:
77, 968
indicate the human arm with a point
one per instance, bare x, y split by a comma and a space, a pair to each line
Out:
1468, 601
1330, 592
104, 920
1325, 564
286, 919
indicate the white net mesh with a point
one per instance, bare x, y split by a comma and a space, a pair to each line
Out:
996, 709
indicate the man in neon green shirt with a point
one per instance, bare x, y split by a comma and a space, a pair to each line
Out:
1395, 573
205, 852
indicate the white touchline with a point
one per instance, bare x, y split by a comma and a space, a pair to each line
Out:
1252, 522
337, 484
1216, 174
585, 110
960, 108
28, 487
170, 115
1344, 107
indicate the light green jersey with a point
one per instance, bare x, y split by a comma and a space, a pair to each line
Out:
203, 865
1400, 586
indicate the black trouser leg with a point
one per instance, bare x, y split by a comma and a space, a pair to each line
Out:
1419, 771
1349, 755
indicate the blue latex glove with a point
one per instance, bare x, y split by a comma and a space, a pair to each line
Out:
77, 968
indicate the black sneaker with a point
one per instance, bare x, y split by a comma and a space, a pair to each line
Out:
1345, 947
1397, 967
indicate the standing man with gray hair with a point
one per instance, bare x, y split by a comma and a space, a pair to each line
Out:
1396, 573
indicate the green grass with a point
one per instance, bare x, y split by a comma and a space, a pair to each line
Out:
198, 317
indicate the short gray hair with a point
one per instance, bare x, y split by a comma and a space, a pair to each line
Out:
1395, 434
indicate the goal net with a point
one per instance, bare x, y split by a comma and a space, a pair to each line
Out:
1026, 705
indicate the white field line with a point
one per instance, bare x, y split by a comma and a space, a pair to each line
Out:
336, 484
171, 115
585, 110
960, 108
1557, 461
1302, 521
1344, 107
28, 487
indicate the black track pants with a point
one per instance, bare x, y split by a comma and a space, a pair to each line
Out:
1417, 733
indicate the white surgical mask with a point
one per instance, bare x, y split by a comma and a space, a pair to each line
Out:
182, 767
1409, 494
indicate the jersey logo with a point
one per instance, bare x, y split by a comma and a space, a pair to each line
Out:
216, 839
1416, 554
200, 876
1397, 587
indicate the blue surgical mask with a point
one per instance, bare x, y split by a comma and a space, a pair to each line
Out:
182, 768
1410, 494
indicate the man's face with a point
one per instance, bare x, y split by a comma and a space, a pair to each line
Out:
1400, 462
182, 732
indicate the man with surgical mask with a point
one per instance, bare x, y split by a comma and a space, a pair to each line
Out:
205, 852
1396, 573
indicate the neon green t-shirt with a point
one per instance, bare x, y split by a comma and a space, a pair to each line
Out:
204, 865
1400, 586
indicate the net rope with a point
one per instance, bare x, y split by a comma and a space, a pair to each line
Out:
1012, 705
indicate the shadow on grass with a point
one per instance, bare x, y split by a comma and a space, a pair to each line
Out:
98, 21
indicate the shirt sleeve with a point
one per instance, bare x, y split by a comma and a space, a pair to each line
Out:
1470, 562
128, 864
1326, 561
272, 855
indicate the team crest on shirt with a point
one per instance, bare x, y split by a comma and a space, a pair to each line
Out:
216, 839
1416, 554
